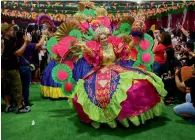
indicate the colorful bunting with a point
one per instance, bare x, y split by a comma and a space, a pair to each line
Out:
60, 14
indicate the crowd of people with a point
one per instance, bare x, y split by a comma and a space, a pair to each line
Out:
175, 64
25, 57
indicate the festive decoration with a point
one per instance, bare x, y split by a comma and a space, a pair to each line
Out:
65, 29
70, 64
45, 19
51, 42
145, 56
56, 9
68, 87
76, 33
61, 73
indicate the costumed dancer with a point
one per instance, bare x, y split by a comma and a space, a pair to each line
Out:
111, 92
50, 88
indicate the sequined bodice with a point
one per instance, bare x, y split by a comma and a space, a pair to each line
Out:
109, 56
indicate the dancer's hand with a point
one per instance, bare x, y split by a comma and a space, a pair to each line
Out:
45, 32
79, 45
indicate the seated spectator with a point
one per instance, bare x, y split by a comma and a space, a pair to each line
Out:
186, 110
168, 77
189, 54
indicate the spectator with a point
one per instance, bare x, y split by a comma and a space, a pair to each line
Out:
159, 59
189, 54
10, 69
187, 110
26, 64
168, 77
150, 32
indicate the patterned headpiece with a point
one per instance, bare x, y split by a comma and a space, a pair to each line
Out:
139, 25
101, 30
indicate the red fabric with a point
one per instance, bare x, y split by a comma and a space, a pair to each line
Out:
159, 53
163, 21
97, 56
97, 52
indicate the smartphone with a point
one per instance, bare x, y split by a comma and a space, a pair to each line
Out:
44, 27
28, 34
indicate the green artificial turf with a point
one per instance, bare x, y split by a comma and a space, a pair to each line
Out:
55, 120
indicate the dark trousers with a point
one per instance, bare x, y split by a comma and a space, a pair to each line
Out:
173, 91
25, 74
157, 68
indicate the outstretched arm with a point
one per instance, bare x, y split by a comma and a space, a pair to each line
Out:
184, 32
87, 49
41, 42
131, 45
20, 51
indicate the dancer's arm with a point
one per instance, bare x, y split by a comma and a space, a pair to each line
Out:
41, 42
131, 45
87, 49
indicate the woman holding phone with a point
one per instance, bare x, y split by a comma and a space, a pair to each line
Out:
159, 58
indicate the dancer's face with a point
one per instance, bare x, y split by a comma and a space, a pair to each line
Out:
103, 40
137, 26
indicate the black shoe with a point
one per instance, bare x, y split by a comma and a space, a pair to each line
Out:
29, 104
24, 109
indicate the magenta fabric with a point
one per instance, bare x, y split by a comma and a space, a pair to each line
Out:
82, 115
141, 97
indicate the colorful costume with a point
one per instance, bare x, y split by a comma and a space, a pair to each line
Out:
113, 84
49, 88
111, 92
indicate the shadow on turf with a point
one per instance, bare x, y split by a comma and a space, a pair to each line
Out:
63, 113
120, 131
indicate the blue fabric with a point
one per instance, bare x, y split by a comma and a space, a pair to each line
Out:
81, 68
47, 75
90, 86
25, 74
156, 68
125, 63
115, 77
185, 108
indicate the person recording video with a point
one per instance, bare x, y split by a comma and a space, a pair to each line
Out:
26, 65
